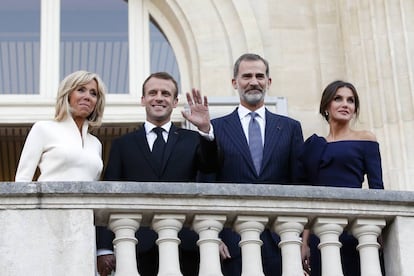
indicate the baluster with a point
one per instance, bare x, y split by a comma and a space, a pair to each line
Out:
208, 228
328, 230
124, 226
367, 232
250, 228
289, 230
167, 226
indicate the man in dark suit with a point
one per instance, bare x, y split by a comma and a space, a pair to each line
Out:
279, 139
185, 153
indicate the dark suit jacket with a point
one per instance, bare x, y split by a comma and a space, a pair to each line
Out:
283, 140
130, 159
186, 153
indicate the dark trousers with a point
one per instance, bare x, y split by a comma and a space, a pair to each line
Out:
148, 257
233, 267
271, 254
148, 262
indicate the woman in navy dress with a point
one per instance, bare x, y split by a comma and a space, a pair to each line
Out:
341, 159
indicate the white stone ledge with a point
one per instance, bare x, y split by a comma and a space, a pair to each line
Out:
205, 198
252, 206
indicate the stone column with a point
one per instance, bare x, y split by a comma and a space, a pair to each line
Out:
208, 228
378, 50
289, 230
328, 230
46, 241
367, 232
250, 228
167, 226
398, 246
124, 226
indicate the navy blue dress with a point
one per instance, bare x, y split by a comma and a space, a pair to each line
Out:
340, 164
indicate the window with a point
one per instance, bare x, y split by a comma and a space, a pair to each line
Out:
19, 46
162, 55
94, 37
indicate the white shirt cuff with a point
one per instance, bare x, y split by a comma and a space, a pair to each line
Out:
101, 252
209, 136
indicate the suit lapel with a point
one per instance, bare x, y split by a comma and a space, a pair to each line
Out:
142, 143
173, 137
234, 131
273, 131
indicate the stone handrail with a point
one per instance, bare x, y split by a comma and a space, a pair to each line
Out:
48, 227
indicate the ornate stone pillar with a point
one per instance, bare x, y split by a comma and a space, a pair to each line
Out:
250, 228
328, 230
289, 230
167, 226
208, 228
367, 232
124, 226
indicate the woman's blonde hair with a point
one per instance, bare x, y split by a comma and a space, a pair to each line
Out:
69, 84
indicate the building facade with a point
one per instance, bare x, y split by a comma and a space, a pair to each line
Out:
308, 44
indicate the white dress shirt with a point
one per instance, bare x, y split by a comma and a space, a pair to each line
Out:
151, 135
244, 115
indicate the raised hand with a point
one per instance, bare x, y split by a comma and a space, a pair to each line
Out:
198, 114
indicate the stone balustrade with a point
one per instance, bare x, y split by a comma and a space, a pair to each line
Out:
48, 227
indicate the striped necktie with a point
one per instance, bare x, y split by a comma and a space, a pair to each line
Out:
255, 141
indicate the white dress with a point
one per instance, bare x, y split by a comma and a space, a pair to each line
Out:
60, 152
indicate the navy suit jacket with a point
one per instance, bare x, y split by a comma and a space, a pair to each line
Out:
283, 140
130, 159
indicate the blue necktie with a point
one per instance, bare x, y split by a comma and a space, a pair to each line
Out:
159, 145
255, 141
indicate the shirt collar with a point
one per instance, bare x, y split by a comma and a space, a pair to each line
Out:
70, 121
149, 126
243, 111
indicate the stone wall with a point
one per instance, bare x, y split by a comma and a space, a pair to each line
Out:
309, 44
